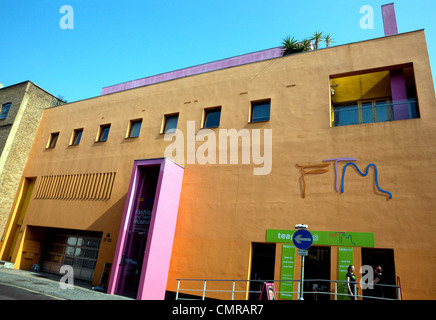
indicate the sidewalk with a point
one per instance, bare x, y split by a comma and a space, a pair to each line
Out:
49, 284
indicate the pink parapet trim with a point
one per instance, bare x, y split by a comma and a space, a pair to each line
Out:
202, 68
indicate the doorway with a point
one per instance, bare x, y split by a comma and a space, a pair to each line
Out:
316, 269
385, 259
134, 250
262, 267
18, 217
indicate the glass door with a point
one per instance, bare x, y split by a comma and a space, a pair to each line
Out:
140, 217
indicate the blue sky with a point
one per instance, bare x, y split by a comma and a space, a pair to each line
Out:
114, 41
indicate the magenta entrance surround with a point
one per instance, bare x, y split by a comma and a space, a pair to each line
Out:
162, 223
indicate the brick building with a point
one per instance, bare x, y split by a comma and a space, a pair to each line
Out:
21, 106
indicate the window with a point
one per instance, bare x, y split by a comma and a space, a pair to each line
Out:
260, 111
170, 123
134, 128
5, 110
212, 117
103, 132
52, 141
364, 112
372, 96
77, 136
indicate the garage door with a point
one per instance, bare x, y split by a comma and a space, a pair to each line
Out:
76, 248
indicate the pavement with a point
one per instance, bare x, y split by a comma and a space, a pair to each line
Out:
50, 286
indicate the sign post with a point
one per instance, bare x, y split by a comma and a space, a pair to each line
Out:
302, 240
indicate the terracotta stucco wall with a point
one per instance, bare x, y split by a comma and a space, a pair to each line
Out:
224, 208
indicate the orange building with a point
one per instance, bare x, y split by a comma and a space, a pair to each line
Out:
205, 175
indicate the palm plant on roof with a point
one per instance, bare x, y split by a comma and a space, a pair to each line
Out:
305, 45
290, 45
317, 38
328, 40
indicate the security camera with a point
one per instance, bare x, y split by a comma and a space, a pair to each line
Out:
301, 226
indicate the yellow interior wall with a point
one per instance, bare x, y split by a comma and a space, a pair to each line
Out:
366, 86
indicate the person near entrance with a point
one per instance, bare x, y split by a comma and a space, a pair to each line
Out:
351, 281
378, 290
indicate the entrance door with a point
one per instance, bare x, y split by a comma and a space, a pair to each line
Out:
262, 266
27, 190
134, 250
385, 259
316, 268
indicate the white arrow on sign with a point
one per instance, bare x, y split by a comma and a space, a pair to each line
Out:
299, 238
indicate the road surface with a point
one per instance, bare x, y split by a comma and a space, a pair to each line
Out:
15, 292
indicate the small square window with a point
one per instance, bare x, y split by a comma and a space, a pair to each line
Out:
77, 136
212, 118
134, 128
260, 111
170, 123
52, 141
103, 133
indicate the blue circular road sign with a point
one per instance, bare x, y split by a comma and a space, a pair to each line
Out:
302, 239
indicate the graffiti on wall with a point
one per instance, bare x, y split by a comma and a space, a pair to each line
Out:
320, 168
313, 171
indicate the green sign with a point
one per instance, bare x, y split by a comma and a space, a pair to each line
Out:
325, 238
287, 271
345, 259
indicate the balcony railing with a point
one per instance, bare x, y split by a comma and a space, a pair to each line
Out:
370, 112
201, 289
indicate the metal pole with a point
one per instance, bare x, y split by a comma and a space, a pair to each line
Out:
178, 288
302, 278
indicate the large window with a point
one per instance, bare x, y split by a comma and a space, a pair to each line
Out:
5, 110
374, 96
363, 112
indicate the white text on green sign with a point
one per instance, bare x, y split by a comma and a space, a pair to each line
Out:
325, 238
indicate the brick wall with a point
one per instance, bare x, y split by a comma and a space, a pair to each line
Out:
17, 132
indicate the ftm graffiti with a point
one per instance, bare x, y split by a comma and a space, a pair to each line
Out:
320, 168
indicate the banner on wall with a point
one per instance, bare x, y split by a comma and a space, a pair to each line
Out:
325, 238
287, 272
345, 259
